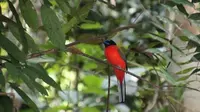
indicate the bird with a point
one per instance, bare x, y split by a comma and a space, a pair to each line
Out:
117, 59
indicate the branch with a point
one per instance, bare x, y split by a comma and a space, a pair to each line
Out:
99, 39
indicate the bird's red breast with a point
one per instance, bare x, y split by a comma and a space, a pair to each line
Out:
113, 57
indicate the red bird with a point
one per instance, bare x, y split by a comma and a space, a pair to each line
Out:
115, 58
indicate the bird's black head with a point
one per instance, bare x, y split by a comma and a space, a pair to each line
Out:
108, 43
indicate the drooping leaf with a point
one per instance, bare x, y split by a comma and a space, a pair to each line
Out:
195, 71
185, 70
31, 44
40, 88
52, 26
29, 14
195, 16
12, 70
191, 36
64, 6
81, 13
42, 74
184, 2
167, 77
2, 80
182, 9
31, 74
28, 81
6, 103
11, 49
25, 97
20, 27
184, 78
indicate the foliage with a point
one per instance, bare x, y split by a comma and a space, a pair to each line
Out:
52, 55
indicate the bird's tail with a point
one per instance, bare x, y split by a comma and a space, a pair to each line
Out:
122, 91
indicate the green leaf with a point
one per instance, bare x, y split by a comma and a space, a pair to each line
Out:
195, 71
182, 9
184, 78
40, 88
31, 74
6, 103
12, 49
24, 97
94, 90
20, 27
90, 26
184, 2
29, 14
185, 70
29, 82
90, 109
64, 6
12, 70
191, 36
52, 26
94, 84
2, 80
91, 80
82, 14
42, 74
195, 16
31, 44
167, 77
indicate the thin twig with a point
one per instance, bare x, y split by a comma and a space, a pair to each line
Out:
108, 95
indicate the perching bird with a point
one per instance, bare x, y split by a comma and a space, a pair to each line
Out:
115, 58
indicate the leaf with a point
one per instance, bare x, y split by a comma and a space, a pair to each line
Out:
195, 16
82, 14
31, 74
185, 70
52, 26
195, 71
12, 70
90, 109
182, 9
184, 78
28, 13
42, 74
2, 80
20, 27
25, 97
91, 26
184, 2
31, 44
40, 88
6, 103
12, 49
64, 6
28, 81
94, 90
167, 77
92, 80
191, 36
41, 59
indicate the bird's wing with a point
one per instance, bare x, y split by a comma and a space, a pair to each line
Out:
123, 57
